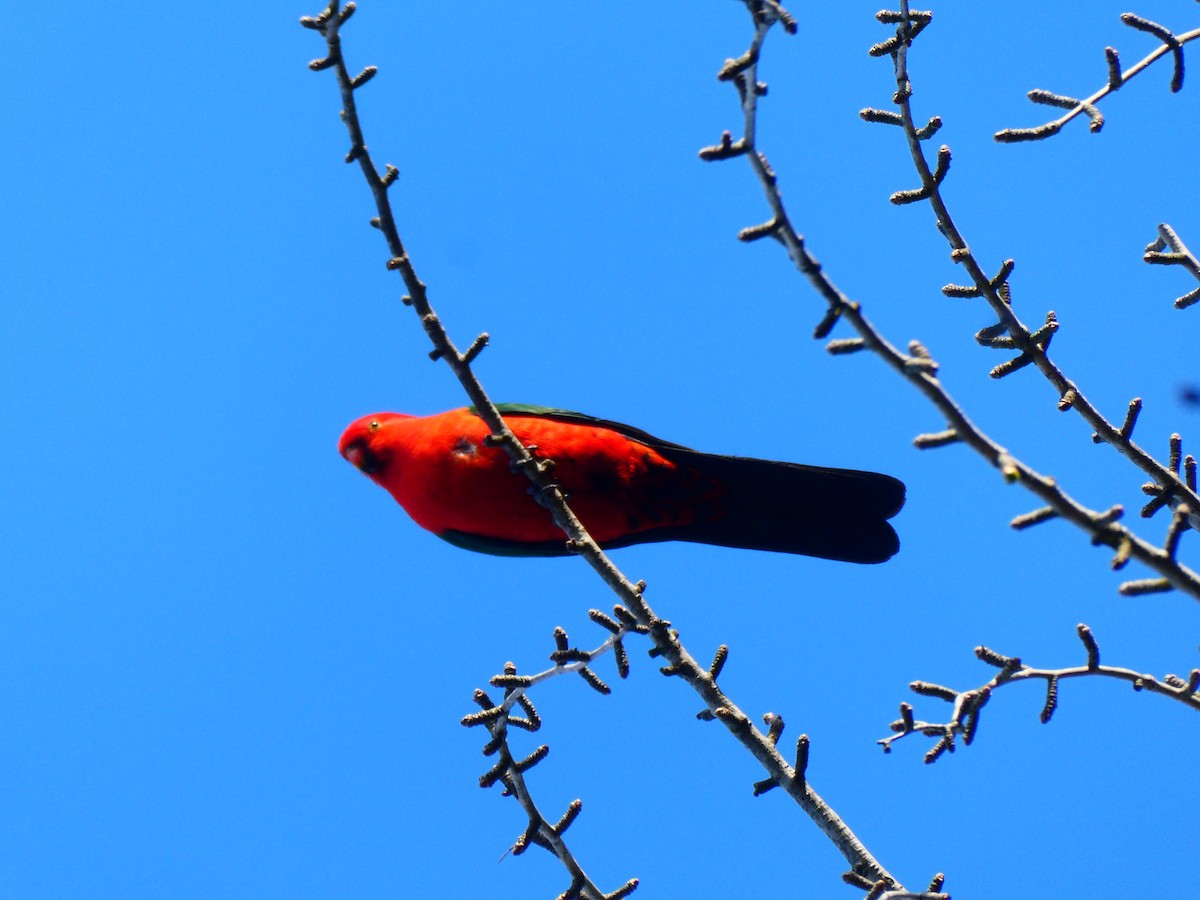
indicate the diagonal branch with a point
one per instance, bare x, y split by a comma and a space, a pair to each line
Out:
967, 704
548, 494
546, 491
1171, 43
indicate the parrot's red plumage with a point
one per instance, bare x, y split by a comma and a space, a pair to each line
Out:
626, 486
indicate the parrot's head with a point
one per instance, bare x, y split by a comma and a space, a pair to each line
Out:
366, 444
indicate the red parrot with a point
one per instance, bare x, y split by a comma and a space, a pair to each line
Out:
626, 486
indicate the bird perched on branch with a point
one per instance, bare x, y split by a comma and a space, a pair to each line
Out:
626, 486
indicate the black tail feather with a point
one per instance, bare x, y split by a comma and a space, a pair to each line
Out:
838, 514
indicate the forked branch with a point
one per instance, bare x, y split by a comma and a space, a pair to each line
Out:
1172, 44
1169, 250
966, 705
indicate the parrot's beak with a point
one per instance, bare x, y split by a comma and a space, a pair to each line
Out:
361, 457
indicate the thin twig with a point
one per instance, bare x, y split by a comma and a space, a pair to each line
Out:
509, 771
967, 704
1179, 255
1116, 79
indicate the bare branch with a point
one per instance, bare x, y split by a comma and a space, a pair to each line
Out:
967, 704
1180, 255
1171, 43
328, 23
509, 771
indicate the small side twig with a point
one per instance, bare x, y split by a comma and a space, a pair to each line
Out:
1178, 255
510, 771
1171, 44
967, 704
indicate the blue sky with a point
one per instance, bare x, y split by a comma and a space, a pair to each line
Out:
231, 666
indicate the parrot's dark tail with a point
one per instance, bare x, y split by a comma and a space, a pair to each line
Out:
836, 514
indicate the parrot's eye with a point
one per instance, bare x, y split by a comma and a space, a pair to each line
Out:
373, 425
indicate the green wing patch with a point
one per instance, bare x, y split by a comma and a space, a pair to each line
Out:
578, 418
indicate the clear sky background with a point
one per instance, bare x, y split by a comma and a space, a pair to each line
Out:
231, 666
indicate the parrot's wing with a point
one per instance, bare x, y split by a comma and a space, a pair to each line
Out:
783, 506
578, 418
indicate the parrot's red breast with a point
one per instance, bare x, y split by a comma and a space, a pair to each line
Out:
626, 487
